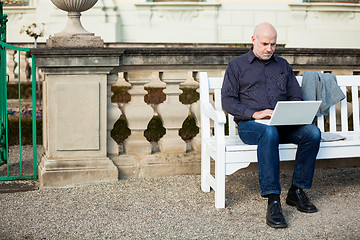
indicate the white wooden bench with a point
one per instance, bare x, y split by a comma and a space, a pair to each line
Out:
231, 154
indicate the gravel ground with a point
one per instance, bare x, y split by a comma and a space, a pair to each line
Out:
176, 208
26, 160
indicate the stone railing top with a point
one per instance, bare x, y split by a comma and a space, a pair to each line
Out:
179, 57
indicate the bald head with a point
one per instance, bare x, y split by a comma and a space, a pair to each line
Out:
264, 28
264, 41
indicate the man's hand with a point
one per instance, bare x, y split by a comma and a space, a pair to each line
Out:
264, 114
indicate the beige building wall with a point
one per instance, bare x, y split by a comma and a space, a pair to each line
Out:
308, 25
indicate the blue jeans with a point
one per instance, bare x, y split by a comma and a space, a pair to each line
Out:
307, 137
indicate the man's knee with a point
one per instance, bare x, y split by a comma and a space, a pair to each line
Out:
313, 133
271, 134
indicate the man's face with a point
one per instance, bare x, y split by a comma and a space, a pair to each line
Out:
264, 44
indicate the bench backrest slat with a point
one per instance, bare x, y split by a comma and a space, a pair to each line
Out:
337, 122
217, 96
344, 112
332, 119
355, 95
232, 125
321, 123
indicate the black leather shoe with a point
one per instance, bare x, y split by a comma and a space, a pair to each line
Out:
299, 199
274, 216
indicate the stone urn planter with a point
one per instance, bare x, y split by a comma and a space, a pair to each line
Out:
74, 34
74, 9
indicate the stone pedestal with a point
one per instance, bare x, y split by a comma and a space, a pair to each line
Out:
74, 41
75, 116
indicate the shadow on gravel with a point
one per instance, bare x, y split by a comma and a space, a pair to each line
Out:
18, 186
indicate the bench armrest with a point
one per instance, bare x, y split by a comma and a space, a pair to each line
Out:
217, 116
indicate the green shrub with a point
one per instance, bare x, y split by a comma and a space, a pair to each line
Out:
189, 95
154, 95
189, 129
155, 130
153, 133
121, 94
26, 131
120, 130
25, 90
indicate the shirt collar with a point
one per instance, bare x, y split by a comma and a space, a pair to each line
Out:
252, 57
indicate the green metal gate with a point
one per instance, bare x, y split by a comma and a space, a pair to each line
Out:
4, 138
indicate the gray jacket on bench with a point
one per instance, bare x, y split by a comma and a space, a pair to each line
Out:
321, 86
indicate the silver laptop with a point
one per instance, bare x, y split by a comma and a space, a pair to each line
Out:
292, 113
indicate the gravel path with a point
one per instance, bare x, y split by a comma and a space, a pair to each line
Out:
176, 208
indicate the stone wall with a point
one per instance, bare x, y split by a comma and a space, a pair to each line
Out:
141, 67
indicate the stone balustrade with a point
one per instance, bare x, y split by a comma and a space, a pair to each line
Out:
139, 68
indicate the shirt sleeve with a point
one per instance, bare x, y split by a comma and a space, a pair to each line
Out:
230, 95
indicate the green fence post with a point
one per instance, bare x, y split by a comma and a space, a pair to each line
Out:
3, 23
3, 104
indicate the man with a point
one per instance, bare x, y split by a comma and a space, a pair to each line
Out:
253, 83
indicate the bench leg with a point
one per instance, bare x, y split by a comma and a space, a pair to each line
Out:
220, 183
220, 194
205, 170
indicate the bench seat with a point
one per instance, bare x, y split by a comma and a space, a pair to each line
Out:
328, 150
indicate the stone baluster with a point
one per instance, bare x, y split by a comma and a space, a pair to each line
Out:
121, 82
172, 113
138, 114
195, 112
113, 114
25, 68
155, 83
11, 64
190, 80
16, 67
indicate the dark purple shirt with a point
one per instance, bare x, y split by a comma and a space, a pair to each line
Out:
252, 85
